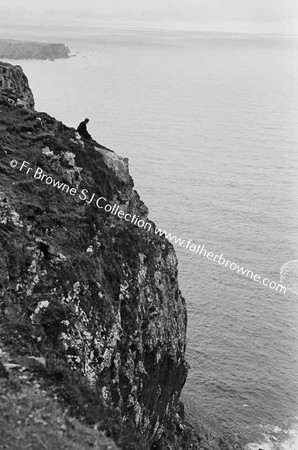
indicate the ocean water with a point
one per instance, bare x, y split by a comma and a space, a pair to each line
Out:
209, 124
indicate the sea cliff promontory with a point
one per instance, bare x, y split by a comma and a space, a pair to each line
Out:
92, 324
13, 49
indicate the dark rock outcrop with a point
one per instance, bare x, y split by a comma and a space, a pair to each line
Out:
85, 288
14, 84
12, 49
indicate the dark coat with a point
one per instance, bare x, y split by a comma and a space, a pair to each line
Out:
82, 130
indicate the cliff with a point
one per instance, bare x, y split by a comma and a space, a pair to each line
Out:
14, 86
12, 49
87, 290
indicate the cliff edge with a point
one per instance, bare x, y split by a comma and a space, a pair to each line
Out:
13, 49
88, 292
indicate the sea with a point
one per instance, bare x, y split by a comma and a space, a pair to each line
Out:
209, 122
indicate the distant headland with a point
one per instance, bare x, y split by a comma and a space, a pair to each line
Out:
13, 49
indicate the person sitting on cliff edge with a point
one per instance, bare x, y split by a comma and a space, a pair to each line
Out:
82, 130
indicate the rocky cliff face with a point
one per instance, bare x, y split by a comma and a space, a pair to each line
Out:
12, 49
84, 281
14, 84
97, 292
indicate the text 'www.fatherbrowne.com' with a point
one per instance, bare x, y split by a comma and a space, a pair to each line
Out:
102, 203
221, 260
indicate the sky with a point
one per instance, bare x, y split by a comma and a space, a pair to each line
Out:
280, 16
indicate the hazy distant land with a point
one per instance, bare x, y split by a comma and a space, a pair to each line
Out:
13, 49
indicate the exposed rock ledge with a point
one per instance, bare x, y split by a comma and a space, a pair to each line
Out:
12, 49
91, 296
